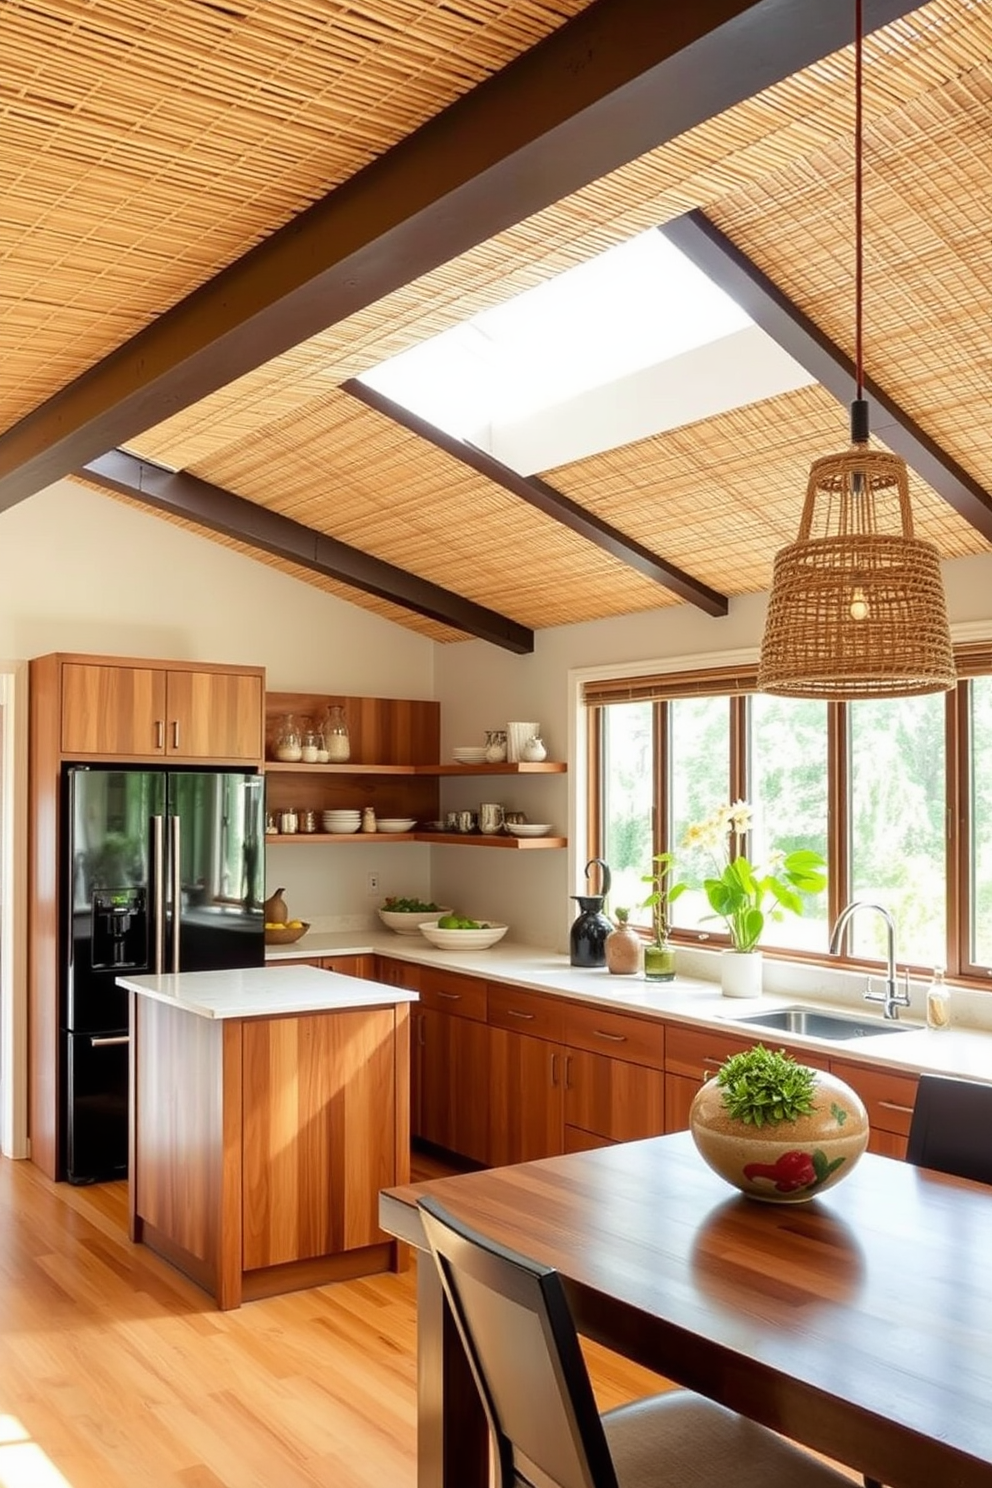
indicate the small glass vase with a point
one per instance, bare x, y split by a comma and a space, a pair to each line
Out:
659, 961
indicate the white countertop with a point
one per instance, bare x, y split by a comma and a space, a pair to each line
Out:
261, 991
965, 1051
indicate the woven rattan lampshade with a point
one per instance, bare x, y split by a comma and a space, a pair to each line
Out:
857, 604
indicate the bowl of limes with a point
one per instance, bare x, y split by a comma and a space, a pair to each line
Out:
460, 933
405, 916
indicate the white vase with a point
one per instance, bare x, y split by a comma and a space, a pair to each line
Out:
740, 973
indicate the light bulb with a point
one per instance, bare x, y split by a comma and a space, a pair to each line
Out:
859, 604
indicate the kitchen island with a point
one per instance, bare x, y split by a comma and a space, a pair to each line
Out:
268, 1107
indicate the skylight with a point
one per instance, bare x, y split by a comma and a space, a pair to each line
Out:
512, 379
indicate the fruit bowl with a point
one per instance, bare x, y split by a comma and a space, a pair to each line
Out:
409, 921
463, 940
285, 934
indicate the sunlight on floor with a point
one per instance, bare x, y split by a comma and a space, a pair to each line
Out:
22, 1462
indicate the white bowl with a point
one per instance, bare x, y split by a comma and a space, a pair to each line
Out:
462, 940
409, 921
345, 829
395, 823
529, 829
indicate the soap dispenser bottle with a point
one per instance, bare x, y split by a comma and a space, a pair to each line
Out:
938, 1001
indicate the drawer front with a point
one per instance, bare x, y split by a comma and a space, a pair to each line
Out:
448, 992
889, 1097
699, 1052
526, 1012
393, 973
601, 1031
356, 966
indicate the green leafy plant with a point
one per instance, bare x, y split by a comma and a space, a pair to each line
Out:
743, 895
761, 1087
621, 915
663, 894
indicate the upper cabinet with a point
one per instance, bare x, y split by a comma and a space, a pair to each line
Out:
109, 709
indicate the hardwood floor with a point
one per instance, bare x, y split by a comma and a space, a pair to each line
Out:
116, 1372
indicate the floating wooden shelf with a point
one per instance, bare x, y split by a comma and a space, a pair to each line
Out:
545, 767
438, 839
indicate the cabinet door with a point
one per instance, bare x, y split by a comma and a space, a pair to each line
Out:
613, 1098
356, 966
319, 1132
889, 1097
525, 1097
680, 1091
215, 715
112, 710
453, 1096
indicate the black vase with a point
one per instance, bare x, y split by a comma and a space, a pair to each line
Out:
587, 937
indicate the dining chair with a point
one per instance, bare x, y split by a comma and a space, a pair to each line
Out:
951, 1131
516, 1327
951, 1127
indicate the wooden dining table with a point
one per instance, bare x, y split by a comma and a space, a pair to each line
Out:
858, 1323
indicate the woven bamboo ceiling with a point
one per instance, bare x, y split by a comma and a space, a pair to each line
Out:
216, 214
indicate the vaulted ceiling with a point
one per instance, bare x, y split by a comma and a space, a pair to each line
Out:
215, 216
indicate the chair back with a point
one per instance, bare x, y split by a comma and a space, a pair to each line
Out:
951, 1129
517, 1331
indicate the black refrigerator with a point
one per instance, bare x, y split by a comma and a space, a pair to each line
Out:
162, 871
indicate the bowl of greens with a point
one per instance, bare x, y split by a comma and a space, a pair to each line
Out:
405, 916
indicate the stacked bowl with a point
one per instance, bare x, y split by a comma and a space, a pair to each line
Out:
342, 821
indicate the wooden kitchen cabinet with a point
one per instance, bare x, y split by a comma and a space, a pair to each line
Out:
452, 1059
889, 1096
351, 965
526, 1075
112, 710
614, 1077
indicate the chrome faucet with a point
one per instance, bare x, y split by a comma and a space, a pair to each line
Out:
891, 999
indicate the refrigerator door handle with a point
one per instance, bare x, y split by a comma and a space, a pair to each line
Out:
177, 900
105, 1043
158, 868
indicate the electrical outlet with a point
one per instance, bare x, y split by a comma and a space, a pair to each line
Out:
372, 883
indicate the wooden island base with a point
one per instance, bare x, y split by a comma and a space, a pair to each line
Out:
259, 1144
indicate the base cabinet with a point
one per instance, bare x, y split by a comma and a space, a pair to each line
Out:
889, 1097
526, 1098
451, 1060
259, 1145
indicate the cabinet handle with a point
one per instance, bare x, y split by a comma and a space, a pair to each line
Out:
513, 1013
108, 1042
568, 1071
159, 733
554, 1067
614, 1038
175, 733
713, 1063
451, 996
894, 1106
421, 1031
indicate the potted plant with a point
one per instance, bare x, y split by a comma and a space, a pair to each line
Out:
623, 946
745, 896
777, 1129
659, 955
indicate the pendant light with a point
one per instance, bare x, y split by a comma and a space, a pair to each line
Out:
857, 606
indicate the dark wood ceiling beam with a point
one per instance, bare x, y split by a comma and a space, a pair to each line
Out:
545, 498
723, 262
221, 510
619, 79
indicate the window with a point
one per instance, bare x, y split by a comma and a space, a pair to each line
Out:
896, 794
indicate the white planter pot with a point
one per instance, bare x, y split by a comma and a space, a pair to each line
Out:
740, 973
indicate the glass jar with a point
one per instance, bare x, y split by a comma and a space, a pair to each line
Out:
495, 746
335, 732
288, 741
311, 746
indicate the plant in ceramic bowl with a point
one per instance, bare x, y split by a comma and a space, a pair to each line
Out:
659, 955
777, 1129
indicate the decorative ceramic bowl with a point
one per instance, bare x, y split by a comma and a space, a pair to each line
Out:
287, 935
782, 1162
462, 940
529, 829
395, 823
409, 921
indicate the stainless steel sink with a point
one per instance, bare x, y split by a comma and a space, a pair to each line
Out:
816, 1024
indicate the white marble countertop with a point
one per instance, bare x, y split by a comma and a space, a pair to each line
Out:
965, 1051
261, 991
